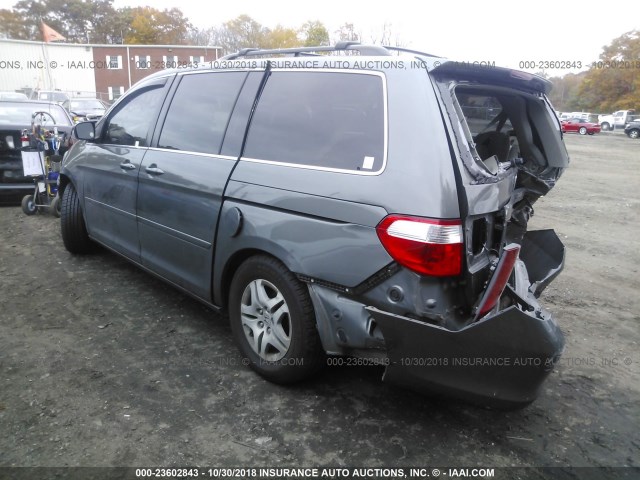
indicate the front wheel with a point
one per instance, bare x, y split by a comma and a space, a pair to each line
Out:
634, 133
72, 226
29, 206
583, 130
273, 321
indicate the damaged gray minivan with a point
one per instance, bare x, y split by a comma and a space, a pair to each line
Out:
350, 200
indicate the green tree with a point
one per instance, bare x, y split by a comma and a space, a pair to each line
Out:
241, 32
314, 34
613, 83
150, 26
79, 21
565, 95
12, 25
280, 37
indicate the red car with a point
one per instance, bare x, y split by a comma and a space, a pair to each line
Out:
580, 126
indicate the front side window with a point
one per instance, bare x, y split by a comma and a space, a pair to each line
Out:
320, 119
132, 120
199, 112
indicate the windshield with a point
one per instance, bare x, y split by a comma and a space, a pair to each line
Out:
18, 113
12, 96
53, 96
79, 104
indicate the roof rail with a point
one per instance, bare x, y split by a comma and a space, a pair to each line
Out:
406, 50
305, 51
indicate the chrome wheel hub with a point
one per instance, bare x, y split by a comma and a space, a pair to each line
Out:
265, 320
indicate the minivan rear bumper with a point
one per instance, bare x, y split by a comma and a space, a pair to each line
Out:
500, 360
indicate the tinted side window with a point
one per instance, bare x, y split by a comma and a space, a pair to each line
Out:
238, 123
321, 119
200, 110
134, 117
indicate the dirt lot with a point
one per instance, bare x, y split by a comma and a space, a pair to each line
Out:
102, 365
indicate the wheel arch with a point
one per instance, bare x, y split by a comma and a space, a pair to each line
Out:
224, 274
229, 270
63, 181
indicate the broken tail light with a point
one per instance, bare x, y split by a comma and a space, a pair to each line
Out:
425, 246
499, 279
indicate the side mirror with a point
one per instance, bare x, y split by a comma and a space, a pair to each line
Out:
85, 131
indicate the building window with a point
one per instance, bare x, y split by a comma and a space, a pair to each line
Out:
114, 62
115, 93
143, 62
196, 60
170, 61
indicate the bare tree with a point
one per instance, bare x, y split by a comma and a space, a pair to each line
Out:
385, 36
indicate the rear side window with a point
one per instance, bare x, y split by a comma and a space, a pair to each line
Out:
199, 112
320, 119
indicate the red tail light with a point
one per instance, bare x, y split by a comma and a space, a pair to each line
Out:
426, 246
24, 138
499, 279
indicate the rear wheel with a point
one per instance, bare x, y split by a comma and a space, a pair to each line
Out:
583, 130
56, 206
605, 127
72, 226
29, 205
273, 321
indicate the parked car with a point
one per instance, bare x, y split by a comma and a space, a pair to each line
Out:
84, 109
16, 116
617, 119
15, 96
56, 96
341, 208
633, 129
580, 125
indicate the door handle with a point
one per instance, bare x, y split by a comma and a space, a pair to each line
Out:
127, 165
154, 170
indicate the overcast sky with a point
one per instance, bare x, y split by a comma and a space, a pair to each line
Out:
507, 32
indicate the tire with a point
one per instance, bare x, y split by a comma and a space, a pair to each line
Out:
582, 131
605, 127
634, 133
56, 206
29, 205
273, 321
72, 226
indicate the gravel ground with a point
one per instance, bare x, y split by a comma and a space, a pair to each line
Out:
103, 365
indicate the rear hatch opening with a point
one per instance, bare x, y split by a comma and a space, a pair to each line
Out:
509, 153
